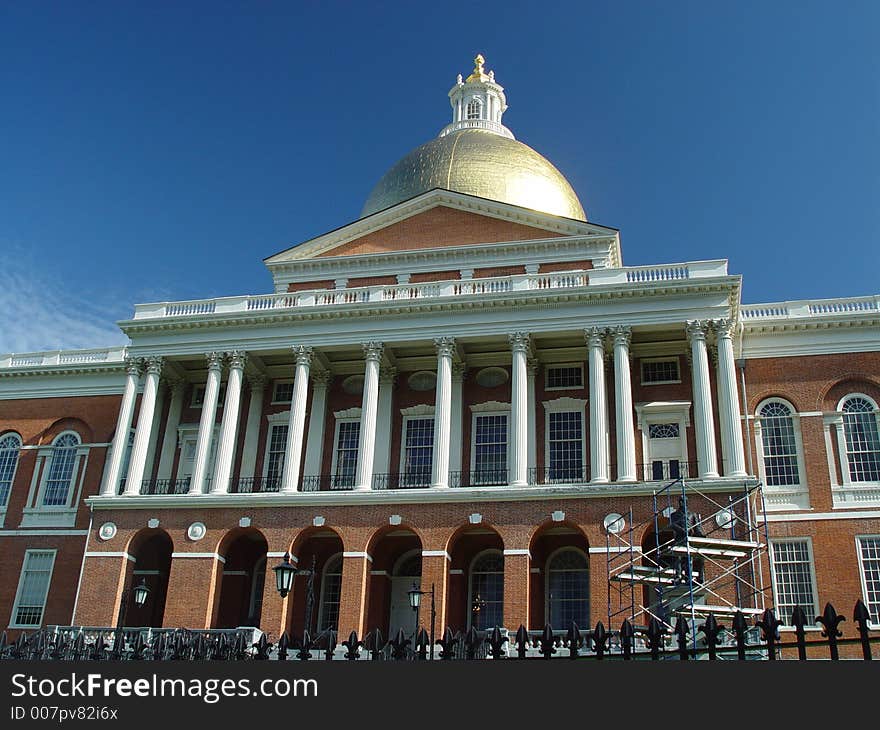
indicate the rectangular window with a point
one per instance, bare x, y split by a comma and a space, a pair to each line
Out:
275, 456
660, 371
490, 449
565, 441
33, 588
869, 561
565, 377
795, 582
61, 474
347, 436
283, 391
198, 395
418, 452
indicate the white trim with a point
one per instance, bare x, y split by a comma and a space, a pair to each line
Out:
812, 565
862, 578
798, 494
281, 554
420, 410
613, 550
282, 419
565, 405
109, 554
842, 442
436, 554
349, 414
5, 503
819, 516
49, 456
13, 624
356, 554
416, 413
654, 412
516, 551
214, 556
60, 533
489, 408
340, 419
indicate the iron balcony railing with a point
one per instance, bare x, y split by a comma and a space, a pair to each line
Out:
661, 470
328, 483
568, 474
164, 486
480, 478
255, 485
419, 479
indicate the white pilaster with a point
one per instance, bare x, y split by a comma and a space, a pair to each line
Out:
595, 337
297, 422
317, 424
257, 385
169, 440
442, 412
229, 424
519, 428
382, 457
123, 427
626, 437
731, 428
704, 429
458, 374
206, 423
138, 461
533, 367
154, 429
367, 439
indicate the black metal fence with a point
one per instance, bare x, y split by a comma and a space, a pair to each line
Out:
655, 642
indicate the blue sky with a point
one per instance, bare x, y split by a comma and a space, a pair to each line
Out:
160, 150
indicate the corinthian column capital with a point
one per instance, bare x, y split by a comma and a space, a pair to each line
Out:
134, 366
622, 335
373, 351
696, 330
723, 328
302, 355
237, 359
519, 341
595, 336
445, 346
153, 365
215, 360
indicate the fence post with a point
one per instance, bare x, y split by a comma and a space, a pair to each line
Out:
861, 616
799, 621
770, 626
626, 639
447, 644
574, 640
681, 638
655, 638
352, 647
601, 638
547, 641
398, 646
739, 630
496, 643
471, 642
711, 629
522, 641
830, 619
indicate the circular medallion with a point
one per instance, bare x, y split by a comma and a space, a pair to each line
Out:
196, 531
614, 523
107, 531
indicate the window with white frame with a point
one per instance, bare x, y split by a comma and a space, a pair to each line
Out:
779, 444
564, 377
418, 450
33, 588
10, 446
60, 474
487, 590
282, 391
568, 589
474, 109
331, 590
862, 438
346, 453
869, 562
198, 395
660, 370
794, 578
276, 446
490, 448
565, 445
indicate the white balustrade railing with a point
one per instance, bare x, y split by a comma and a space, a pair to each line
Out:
62, 357
810, 308
637, 275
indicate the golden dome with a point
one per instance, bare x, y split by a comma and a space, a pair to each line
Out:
481, 163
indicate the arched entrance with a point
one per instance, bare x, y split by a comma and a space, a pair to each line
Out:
151, 550
243, 577
476, 579
396, 567
317, 587
560, 571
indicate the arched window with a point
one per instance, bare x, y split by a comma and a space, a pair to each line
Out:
331, 589
474, 109
779, 444
568, 589
862, 440
10, 445
60, 472
487, 590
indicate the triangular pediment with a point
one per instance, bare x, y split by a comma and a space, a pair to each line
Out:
437, 219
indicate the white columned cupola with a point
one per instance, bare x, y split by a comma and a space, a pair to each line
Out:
478, 102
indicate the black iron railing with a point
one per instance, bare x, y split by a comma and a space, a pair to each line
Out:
255, 485
328, 483
479, 478
406, 480
571, 474
165, 486
660, 470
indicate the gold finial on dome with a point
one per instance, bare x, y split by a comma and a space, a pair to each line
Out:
477, 74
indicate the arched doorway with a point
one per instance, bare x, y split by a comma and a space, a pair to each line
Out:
560, 585
244, 574
476, 579
317, 587
396, 567
151, 550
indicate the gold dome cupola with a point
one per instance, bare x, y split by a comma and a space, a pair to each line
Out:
478, 102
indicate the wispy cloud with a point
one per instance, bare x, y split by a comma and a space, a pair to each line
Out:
42, 311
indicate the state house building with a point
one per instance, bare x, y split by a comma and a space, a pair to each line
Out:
467, 389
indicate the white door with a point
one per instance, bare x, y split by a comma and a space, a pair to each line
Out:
401, 615
665, 452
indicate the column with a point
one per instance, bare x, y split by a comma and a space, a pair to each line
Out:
442, 412
704, 430
626, 437
257, 385
458, 374
138, 460
519, 344
367, 439
123, 426
317, 423
154, 429
595, 337
206, 423
229, 424
296, 423
533, 367
169, 441
382, 458
731, 427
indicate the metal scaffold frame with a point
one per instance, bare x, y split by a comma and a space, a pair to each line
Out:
698, 565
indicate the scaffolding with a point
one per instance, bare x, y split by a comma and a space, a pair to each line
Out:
695, 563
